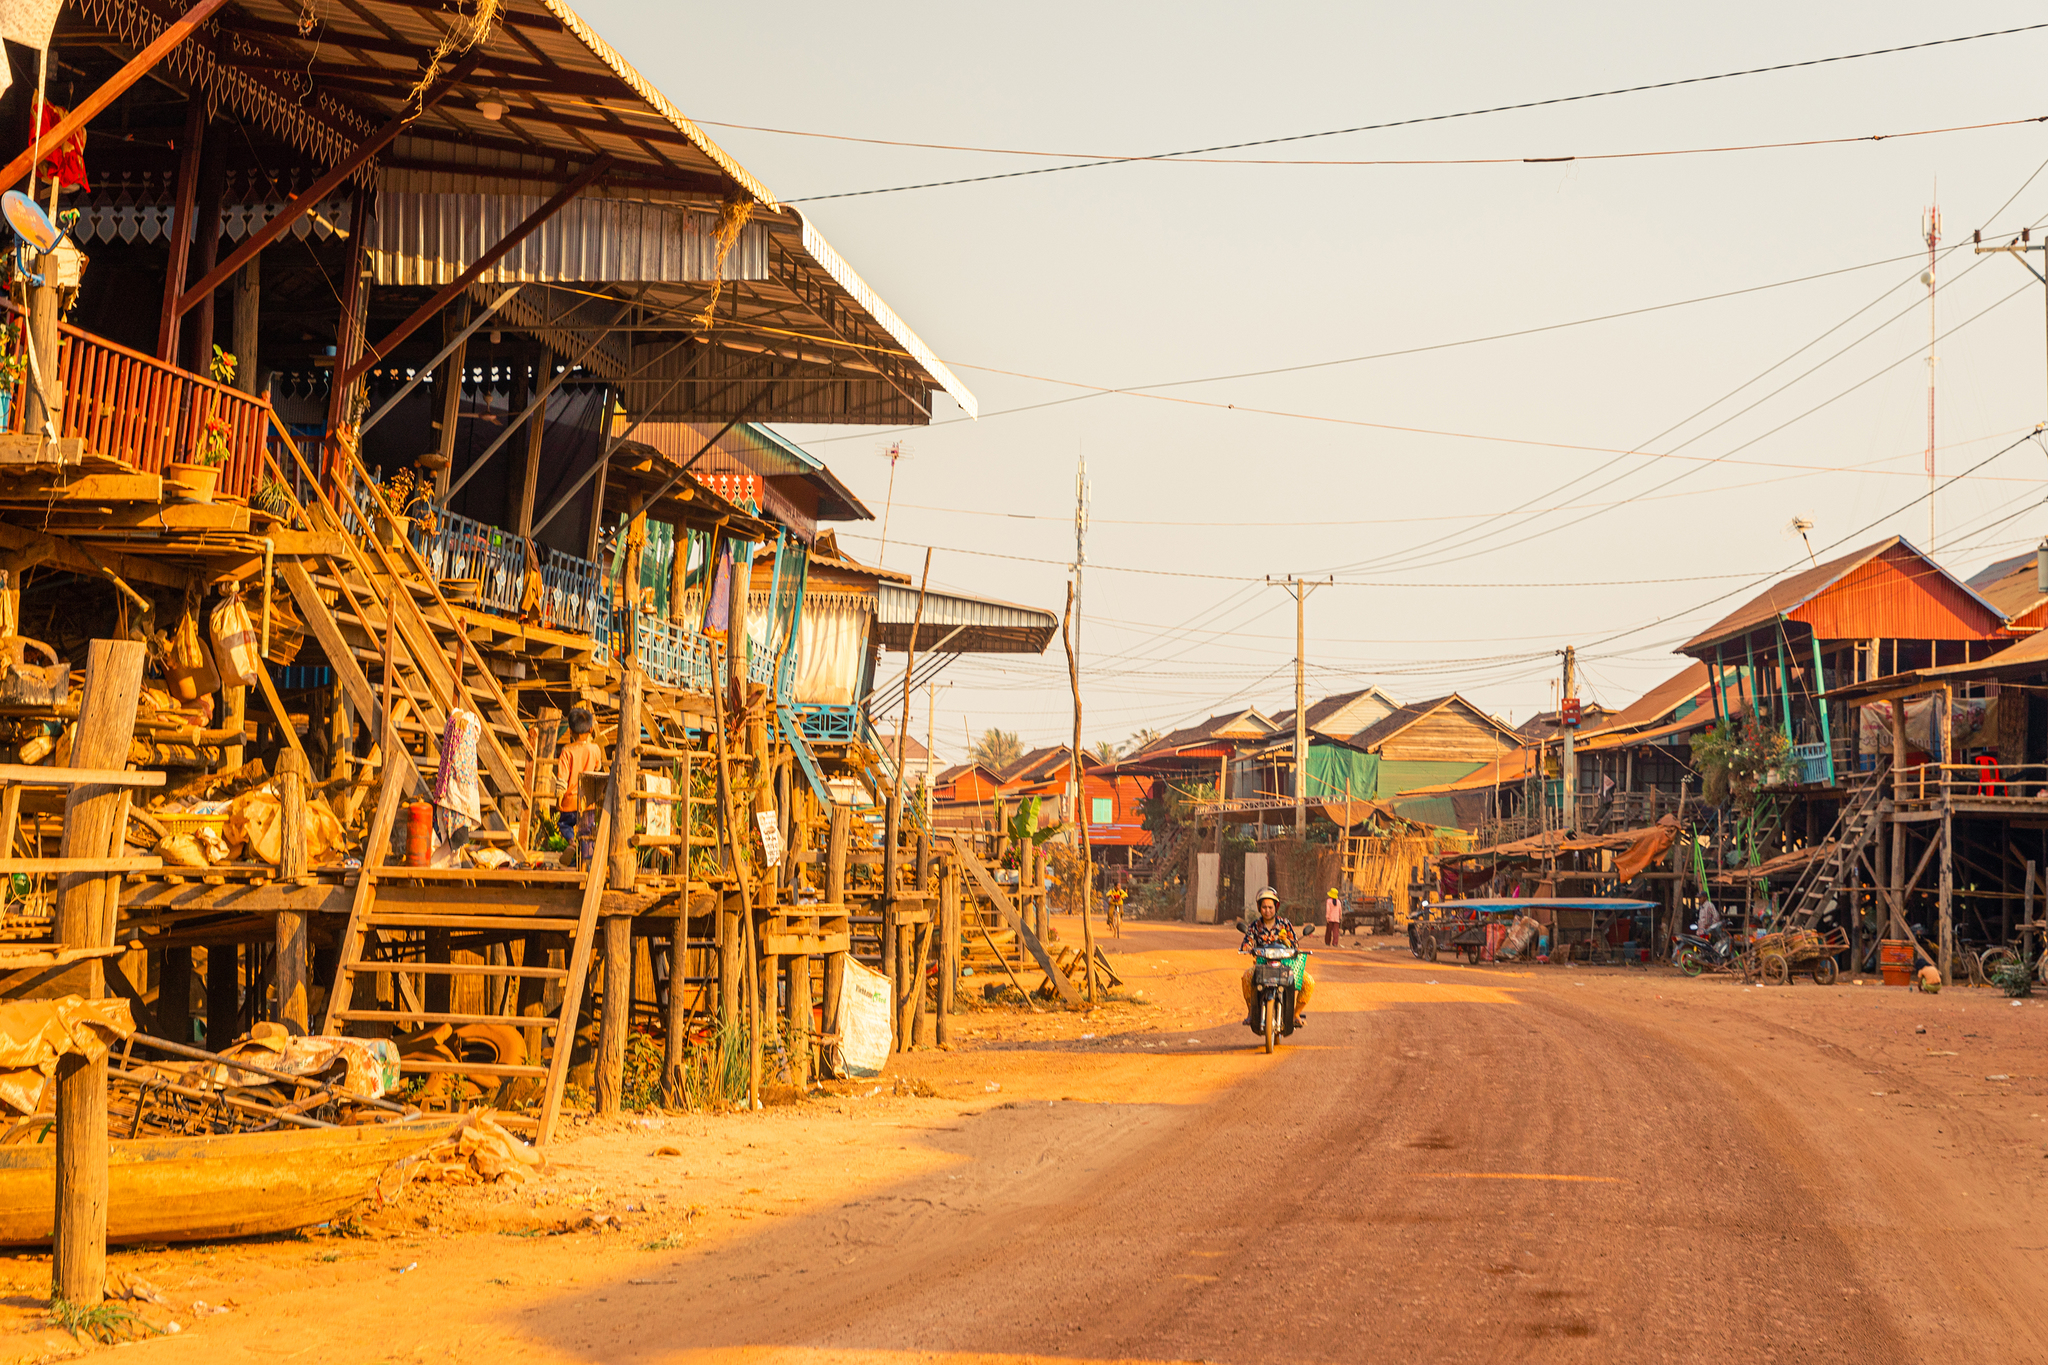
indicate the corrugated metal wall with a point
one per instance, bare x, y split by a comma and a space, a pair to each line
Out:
429, 239
1897, 596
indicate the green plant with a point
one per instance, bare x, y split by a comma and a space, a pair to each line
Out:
1736, 759
1024, 823
107, 1323
223, 366
715, 1068
2014, 975
213, 440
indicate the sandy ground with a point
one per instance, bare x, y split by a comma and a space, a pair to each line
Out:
1448, 1163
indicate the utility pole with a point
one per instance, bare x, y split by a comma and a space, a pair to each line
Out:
2018, 250
1567, 725
1301, 588
1079, 789
1932, 225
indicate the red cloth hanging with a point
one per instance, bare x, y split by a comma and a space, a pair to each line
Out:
65, 162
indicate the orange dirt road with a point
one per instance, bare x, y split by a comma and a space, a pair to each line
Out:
1447, 1164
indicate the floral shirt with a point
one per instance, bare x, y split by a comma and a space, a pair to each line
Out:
1259, 934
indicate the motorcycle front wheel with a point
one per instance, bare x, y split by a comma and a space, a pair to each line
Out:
1272, 1023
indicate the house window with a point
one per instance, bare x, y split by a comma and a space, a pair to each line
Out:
1104, 812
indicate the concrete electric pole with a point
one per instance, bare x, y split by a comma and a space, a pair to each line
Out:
1301, 588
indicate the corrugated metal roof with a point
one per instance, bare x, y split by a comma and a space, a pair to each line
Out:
430, 239
984, 626
1872, 617
806, 340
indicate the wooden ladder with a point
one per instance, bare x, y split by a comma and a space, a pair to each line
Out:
1813, 895
483, 904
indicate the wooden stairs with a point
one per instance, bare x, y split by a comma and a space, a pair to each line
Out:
396, 642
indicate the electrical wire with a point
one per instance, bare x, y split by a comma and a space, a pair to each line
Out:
1412, 122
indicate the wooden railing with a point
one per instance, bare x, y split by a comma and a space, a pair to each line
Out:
1932, 782
128, 406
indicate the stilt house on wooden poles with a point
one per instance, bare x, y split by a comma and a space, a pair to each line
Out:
440, 422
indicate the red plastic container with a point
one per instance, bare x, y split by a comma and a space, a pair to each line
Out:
419, 834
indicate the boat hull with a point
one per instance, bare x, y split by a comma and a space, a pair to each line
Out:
191, 1189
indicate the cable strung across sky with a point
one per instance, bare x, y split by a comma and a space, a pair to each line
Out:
1361, 128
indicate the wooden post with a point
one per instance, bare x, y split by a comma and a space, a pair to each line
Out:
293, 1010
616, 1018
448, 390
949, 949
93, 819
1898, 868
1946, 903
174, 996
676, 1019
248, 302
1080, 813
176, 276
797, 1010
223, 995
839, 832
536, 426
886, 903
626, 775
729, 974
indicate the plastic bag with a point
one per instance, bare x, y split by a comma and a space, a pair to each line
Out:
235, 645
254, 830
181, 850
866, 1031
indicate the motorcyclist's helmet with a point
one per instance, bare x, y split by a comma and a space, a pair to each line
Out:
1269, 894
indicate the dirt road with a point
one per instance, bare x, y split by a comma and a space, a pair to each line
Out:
1448, 1164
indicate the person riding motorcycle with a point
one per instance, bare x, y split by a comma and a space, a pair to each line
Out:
1268, 931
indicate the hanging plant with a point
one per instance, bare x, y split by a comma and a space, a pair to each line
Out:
1736, 760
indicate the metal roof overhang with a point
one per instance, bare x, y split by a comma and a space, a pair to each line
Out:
796, 334
957, 624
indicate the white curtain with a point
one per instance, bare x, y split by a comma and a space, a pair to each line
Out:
832, 643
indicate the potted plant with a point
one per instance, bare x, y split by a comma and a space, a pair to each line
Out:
198, 476
402, 491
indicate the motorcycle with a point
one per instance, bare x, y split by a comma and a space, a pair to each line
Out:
1716, 951
1273, 970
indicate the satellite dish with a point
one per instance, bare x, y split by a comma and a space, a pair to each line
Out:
29, 222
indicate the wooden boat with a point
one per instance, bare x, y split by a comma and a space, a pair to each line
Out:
191, 1189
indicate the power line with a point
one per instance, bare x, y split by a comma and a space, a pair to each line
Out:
1412, 122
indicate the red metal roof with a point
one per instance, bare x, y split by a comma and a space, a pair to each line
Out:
1887, 591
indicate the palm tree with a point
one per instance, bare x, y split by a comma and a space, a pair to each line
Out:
1108, 750
996, 749
1141, 741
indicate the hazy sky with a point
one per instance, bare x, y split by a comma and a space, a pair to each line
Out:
1395, 472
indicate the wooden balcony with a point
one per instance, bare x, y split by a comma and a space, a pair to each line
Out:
124, 406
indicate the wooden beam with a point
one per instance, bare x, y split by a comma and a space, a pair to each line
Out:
297, 207
88, 108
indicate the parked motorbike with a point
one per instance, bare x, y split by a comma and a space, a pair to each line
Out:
1273, 970
1716, 951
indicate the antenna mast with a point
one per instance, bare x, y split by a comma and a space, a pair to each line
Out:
1931, 227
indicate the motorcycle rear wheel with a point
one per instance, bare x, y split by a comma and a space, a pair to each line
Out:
1690, 962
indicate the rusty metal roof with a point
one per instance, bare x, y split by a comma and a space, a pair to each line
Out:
796, 334
1875, 616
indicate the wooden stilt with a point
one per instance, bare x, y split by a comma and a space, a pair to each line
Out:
93, 820
615, 1020
223, 995
838, 833
174, 995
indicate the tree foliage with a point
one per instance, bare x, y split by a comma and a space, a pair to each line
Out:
996, 749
